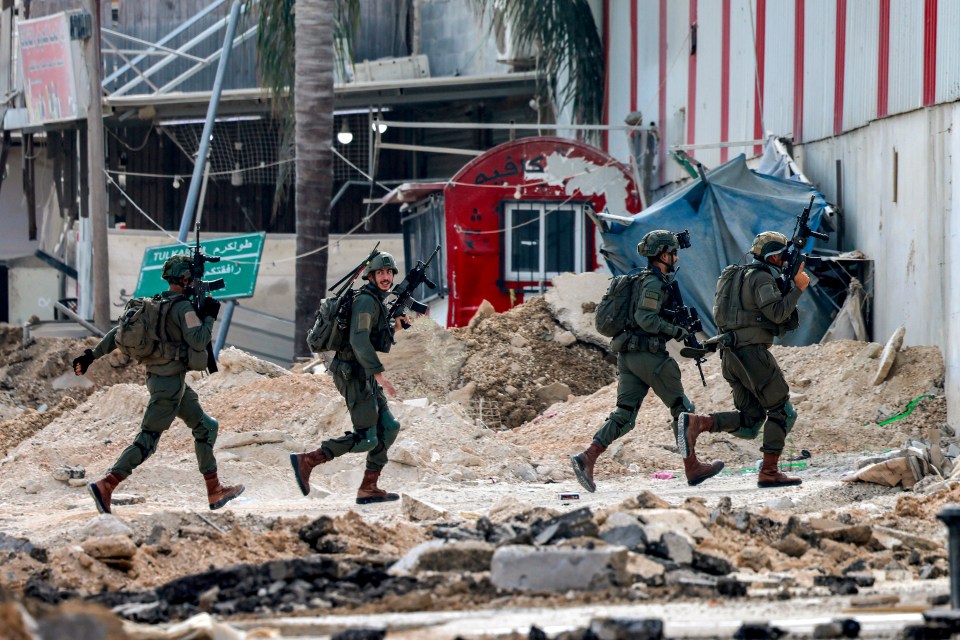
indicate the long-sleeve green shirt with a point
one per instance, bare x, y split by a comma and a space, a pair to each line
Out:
369, 330
653, 295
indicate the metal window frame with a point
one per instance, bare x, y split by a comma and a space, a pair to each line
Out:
541, 275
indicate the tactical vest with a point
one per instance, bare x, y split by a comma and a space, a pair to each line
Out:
381, 334
728, 310
666, 305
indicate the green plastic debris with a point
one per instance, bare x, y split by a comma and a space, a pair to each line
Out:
903, 414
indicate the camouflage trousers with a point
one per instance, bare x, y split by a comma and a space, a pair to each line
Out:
375, 429
761, 396
170, 397
640, 371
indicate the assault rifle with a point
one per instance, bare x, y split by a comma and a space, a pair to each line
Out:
404, 291
202, 289
348, 279
794, 256
688, 318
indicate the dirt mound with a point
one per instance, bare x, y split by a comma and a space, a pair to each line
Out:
38, 377
512, 355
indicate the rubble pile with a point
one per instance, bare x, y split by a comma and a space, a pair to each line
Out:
482, 521
523, 360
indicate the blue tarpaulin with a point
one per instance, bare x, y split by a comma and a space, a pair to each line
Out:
724, 214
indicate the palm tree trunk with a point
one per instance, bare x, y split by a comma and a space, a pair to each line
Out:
313, 106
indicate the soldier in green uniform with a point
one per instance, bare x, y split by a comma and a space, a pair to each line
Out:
643, 362
170, 396
751, 312
358, 374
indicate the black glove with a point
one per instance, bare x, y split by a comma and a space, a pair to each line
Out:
679, 333
210, 308
83, 362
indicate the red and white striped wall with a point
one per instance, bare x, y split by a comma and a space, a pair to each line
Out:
712, 71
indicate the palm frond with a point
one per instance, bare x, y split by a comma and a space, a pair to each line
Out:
565, 36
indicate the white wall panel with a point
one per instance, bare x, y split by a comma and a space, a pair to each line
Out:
819, 70
860, 69
619, 80
743, 74
778, 69
906, 56
709, 74
948, 51
678, 57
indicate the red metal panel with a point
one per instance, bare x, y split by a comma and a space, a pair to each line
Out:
798, 71
883, 62
761, 43
473, 200
839, 65
929, 52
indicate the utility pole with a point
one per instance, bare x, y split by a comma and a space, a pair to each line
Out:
97, 181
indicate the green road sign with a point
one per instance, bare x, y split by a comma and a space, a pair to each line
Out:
240, 261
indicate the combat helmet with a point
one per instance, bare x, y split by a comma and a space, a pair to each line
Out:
654, 242
176, 267
381, 261
768, 243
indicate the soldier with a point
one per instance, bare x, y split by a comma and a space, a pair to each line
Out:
358, 374
644, 363
750, 312
170, 396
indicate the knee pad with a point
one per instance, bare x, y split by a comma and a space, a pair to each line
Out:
365, 440
790, 417
211, 426
146, 442
749, 428
391, 427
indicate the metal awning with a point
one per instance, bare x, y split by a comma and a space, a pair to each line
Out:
412, 192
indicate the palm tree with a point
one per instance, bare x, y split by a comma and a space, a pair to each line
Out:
569, 53
296, 59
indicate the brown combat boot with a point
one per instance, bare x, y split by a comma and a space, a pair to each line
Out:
770, 475
583, 465
217, 494
303, 464
103, 489
370, 493
689, 428
698, 471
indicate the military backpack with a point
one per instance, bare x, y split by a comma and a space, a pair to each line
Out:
331, 325
141, 331
614, 313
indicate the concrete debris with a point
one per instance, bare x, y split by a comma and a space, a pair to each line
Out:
525, 568
419, 510
889, 356
234, 440
65, 474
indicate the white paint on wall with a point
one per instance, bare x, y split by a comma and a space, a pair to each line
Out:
589, 178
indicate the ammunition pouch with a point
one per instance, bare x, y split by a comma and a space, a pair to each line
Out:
642, 342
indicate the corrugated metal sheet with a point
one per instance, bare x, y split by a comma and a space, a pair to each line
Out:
860, 70
948, 51
709, 75
819, 71
906, 56
778, 73
743, 74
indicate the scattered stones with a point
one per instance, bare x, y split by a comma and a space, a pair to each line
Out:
65, 474
551, 393
103, 526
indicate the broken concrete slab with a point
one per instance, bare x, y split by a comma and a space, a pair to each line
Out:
567, 299
656, 522
462, 556
234, 440
110, 547
889, 355
104, 525
525, 568
419, 510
